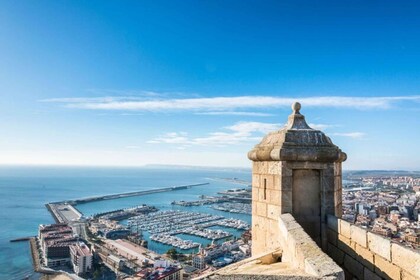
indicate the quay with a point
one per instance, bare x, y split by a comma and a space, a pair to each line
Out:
128, 194
64, 212
121, 214
204, 201
234, 181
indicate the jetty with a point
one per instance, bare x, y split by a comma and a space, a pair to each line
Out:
27, 238
128, 194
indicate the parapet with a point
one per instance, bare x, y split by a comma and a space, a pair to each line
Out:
366, 255
298, 257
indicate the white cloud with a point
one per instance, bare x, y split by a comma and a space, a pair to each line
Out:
354, 135
240, 132
230, 113
220, 104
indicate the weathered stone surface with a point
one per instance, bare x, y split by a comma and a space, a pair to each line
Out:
305, 253
365, 257
345, 229
407, 276
379, 245
272, 239
336, 254
255, 179
386, 269
332, 222
274, 197
261, 209
407, 259
332, 236
359, 235
345, 244
273, 212
255, 196
370, 275
353, 266
274, 167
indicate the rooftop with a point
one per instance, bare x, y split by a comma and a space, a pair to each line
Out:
296, 142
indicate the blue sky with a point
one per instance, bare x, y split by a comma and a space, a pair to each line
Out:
200, 82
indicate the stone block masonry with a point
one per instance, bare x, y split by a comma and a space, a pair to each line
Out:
365, 255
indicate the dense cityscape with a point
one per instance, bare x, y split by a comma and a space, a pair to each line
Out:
387, 205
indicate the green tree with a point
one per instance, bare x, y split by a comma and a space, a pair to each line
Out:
172, 253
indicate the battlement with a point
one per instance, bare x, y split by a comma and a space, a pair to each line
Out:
366, 255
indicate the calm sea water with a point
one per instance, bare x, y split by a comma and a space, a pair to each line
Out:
25, 190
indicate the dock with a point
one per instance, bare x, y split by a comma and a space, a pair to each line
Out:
128, 194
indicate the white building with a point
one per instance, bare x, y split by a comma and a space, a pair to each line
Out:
199, 261
81, 258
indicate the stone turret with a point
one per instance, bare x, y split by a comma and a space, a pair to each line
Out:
296, 170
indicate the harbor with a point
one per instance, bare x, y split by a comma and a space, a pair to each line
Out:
163, 228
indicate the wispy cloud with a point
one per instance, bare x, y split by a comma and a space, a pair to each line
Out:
240, 132
220, 104
321, 126
230, 113
354, 135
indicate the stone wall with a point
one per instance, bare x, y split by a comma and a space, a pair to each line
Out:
297, 257
301, 251
366, 255
269, 200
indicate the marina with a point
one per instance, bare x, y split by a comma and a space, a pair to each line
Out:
165, 225
174, 241
234, 207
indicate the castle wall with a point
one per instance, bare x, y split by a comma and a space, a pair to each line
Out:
366, 255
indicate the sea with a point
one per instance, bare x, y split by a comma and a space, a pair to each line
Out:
25, 190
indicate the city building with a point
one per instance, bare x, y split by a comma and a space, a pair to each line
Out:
55, 240
199, 261
161, 273
81, 258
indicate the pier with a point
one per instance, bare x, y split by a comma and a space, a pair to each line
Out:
128, 194
27, 238
64, 211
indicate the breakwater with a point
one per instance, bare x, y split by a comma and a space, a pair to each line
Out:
128, 194
27, 238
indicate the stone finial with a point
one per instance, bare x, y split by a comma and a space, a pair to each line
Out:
296, 107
